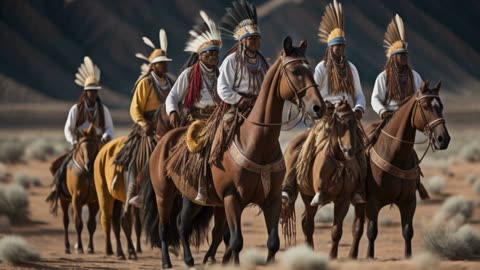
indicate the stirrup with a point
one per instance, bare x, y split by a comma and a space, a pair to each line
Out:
285, 197
317, 199
201, 196
136, 201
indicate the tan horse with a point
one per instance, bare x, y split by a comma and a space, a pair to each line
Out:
112, 192
80, 188
335, 165
256, 144
394, 174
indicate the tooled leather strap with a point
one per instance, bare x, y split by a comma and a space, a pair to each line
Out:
265, 171
411, 174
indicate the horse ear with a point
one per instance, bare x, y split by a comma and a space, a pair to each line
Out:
437, 87
303, 45
287, 45
424, 86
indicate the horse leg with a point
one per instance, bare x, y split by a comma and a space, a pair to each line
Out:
127, 229
372, 227
138, 229
164, 206
64, 204
233, 213
92, 224
340, 210
357, 229
77, 214
106, 206
308, 219
116, 221
217, 234
184, 225
226, 240
271, 213
407, 210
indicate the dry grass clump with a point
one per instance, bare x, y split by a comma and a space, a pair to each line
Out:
471, 152
435, 185
304, 258
39, 149
449, 235
325, 214
26, 180
14, 203
426, 261
11, 150
15, 250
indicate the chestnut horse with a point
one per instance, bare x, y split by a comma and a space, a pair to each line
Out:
112, 193
256, 144
80, 187
393, 167
336, 166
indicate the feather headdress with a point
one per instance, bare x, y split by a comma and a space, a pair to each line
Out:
204, 37
331, 25
394, 39
88, 75
241, 20
158, 54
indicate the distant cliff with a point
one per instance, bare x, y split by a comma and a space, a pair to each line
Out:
43, 42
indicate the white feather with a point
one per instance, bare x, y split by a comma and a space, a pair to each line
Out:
89, 66
80, 83
401, 28
163, 40
79, 77
83, 71
141, 56
148, 42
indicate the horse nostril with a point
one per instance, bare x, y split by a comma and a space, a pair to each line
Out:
440, 138
316, 108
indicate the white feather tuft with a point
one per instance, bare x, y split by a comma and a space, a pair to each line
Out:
148, 42
163, 40
401, 28
141, 56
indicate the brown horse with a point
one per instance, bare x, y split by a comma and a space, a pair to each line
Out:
112, 193
393, 172
256, 144
80, 188
335, 163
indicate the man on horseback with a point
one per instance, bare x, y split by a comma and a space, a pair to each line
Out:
397, 82
88, 110
149, 92
195, 88
338, 80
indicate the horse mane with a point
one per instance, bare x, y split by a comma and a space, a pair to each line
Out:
89, 132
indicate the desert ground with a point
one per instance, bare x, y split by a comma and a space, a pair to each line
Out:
45, 232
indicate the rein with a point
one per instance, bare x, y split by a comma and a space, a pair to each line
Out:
81, 169
298, 101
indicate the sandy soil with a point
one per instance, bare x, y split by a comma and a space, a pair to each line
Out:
45, 232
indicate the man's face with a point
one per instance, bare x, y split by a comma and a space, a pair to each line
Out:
401, 59
160, 68
338, 50
209, 58
92, 95
252, 43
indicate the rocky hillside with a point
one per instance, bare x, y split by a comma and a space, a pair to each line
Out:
43, 42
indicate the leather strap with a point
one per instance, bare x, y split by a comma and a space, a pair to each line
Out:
411, 174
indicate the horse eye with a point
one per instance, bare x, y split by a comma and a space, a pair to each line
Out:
297, 72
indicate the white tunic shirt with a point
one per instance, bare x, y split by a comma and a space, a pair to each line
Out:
225, 84
177, 95
379, 94
321, 78
70, 130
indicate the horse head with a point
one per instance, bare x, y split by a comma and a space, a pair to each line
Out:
428, 115
300, 85
345, 132
87, 147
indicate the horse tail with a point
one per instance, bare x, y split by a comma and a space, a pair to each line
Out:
200, 226
289, 224
53, 199
150, 214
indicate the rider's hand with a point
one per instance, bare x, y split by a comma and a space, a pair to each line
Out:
174, 119
358, 114
386, 114
245, 103
105, 138
147, 129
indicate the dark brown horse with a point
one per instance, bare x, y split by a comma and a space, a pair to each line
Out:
80, 188
256, 143
112, 194
394, 174
335, 162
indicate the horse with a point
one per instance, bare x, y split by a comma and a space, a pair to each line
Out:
79, 185
112, 192
250, 171
393, 172
332, 161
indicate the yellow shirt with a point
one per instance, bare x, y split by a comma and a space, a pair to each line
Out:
144, 100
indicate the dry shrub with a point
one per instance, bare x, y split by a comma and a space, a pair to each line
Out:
26, 180
471, 179
325, 214
252, 258
435, 185
471, 151
304, 258
11, 150
14, 203
426, 261
449, 235
15, 250
39, 149
3, 172
476, 187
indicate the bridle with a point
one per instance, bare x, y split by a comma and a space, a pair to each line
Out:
429, 126
339, 119
296, 99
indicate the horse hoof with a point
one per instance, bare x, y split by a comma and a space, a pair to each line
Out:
121, 257
79, 251
167, 266
190, 262
132, 256
90, 250
67, 251
109, 253
139, 249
